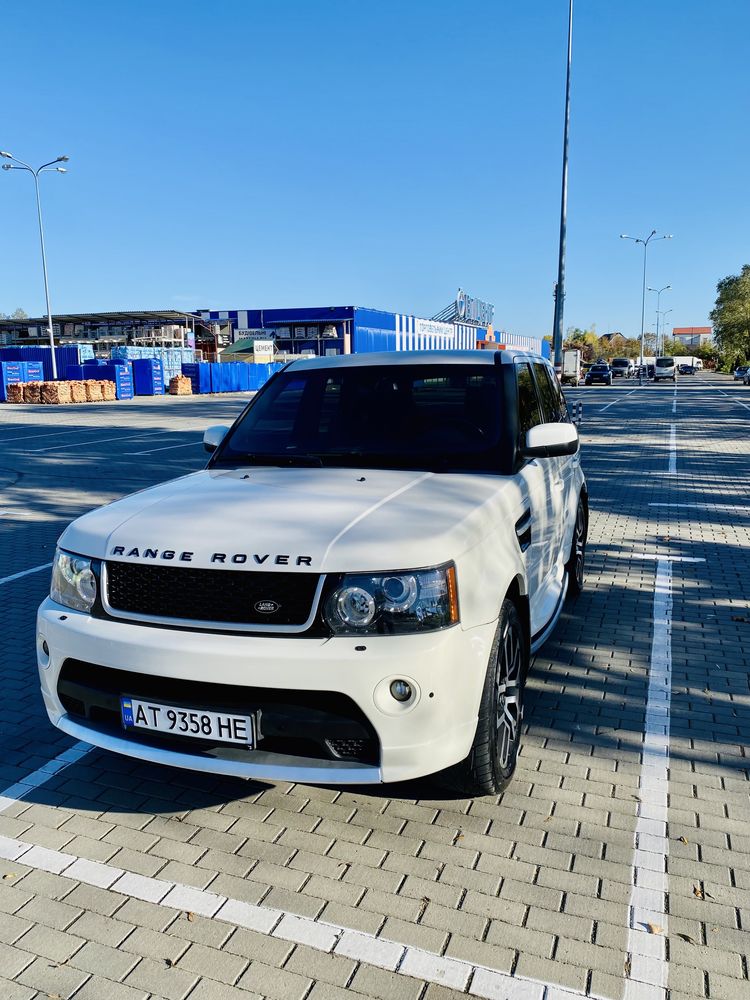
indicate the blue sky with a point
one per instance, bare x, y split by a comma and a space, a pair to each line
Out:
240, 154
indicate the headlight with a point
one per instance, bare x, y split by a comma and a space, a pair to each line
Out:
420, 600
73, 581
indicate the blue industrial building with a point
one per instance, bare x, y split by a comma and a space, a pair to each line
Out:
327, 330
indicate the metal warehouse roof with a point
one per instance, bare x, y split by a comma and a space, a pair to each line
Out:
142, 316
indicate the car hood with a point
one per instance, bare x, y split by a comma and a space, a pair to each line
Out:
325, 520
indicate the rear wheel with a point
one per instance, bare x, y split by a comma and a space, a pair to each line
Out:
492, 759
575, 566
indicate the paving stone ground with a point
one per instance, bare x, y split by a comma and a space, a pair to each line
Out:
537, 881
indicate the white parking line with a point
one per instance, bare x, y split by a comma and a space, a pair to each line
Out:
672, 470
734, 508
168, 447
656, 555
333, 939
25, 572
617, 400
646, 947
733, 400
93, 441
16, 791
674, 401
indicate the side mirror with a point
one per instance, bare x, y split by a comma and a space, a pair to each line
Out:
551, 441
213, 436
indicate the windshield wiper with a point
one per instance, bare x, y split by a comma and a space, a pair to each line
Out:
280, 459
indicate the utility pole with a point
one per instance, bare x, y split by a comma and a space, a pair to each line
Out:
557, 332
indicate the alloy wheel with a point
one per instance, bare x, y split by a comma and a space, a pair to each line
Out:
508, 700
579, 544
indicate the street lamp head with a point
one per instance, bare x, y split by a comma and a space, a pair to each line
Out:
61, 170
8, 156
7, 166
623, 236
62, 159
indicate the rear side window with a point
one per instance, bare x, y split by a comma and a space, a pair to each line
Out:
554, 409
529, 410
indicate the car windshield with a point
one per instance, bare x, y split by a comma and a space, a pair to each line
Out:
665, 362
439, 417
600, 368
621, 362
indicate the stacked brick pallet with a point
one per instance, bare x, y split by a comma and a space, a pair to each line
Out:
180, 385
89, 391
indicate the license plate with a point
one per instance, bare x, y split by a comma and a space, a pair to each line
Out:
221, 727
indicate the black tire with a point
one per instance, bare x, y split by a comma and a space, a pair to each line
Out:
576, 564
489, 767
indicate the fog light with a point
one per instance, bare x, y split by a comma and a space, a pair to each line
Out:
45, 648
400, 690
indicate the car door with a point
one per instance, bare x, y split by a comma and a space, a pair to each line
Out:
563, 479
535, 526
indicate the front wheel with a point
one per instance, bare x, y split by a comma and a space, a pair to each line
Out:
492, 759
575, 566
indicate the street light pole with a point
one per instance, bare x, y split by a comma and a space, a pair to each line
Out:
658, 299
17, 164
557, 332
645, 242
664, 314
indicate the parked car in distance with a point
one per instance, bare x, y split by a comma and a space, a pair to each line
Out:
740, 372
349, 593
622, 367
599, 373
746, 379
686, 369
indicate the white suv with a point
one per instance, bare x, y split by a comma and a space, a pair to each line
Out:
348, 593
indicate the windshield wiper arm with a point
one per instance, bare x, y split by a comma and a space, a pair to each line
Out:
277, 458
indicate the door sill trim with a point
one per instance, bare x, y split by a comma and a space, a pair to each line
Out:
538, 640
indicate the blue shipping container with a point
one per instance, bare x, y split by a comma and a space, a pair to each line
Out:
199, 374
11, 373
121, 377
148, 377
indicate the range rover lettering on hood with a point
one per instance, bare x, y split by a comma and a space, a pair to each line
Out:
238, 558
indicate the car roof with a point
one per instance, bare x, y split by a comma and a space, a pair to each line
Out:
396, 358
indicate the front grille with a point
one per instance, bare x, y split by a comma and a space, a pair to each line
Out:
210, 595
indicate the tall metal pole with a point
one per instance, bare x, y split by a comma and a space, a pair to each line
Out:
17, 164
643, 302
557, 334
46, 283
637, 239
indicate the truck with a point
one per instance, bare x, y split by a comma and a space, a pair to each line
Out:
686, 359
571, 367
349, 593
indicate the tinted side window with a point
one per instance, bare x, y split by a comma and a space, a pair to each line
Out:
529, 411
553, 401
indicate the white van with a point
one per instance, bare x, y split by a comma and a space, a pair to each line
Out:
665, 368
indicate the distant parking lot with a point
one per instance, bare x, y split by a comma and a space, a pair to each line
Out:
617, 865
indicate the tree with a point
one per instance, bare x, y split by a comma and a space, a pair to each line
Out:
16, 314
731, 317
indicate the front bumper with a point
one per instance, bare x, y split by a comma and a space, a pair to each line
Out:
433, 730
